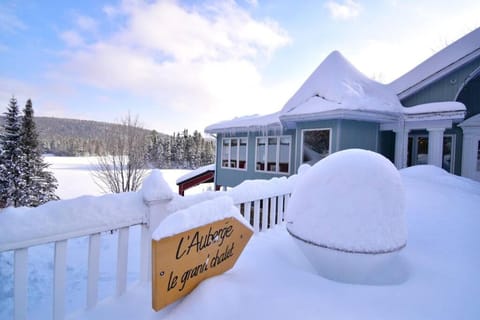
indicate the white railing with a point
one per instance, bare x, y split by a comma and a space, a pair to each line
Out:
263, 208
264, 213
263, 202
20, 250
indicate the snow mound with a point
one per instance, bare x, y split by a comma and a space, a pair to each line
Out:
351, 201
198, 215
337, 84
155, 187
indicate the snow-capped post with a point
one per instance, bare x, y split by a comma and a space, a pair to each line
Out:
194, 244
347, 214
156, 195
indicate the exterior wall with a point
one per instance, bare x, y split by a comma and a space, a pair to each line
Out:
359, 134
444, 89
231, 177
345, 134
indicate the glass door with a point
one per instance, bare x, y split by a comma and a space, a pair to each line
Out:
418, 151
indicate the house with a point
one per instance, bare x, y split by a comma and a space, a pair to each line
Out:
429, 115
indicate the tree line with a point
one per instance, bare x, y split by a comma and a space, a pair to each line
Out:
180, 150
73, 137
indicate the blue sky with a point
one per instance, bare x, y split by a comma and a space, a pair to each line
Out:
187, 64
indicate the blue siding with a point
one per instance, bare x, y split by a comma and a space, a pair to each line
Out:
345, 134
444, 89
359, 134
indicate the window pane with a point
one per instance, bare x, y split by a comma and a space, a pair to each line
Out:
447, 153
260, 154
225, 152
242, 164
316, 145
272, 155
233, 153
478, 157
284, 154
422, 150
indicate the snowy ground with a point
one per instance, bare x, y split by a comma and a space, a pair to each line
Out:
273, 280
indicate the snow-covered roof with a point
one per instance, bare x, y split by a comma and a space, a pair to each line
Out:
452, 110
196, 172
337, 90
458, 53
337, 85
471, 122
246, 123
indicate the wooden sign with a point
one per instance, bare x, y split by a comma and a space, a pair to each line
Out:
182, 261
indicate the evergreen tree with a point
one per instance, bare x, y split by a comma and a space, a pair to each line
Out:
39, 183
12, 159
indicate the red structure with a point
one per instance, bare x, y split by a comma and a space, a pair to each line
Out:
203, 177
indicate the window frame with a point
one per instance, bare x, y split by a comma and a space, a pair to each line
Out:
228, 163
315, 129
277, 154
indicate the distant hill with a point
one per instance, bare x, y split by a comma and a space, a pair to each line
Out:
72, 137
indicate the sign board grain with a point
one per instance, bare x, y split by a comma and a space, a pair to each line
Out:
182, 261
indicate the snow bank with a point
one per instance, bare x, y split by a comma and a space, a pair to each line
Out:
155, 187
198, 215
351, 201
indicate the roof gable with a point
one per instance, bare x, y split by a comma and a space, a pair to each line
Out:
337, 85
448, 59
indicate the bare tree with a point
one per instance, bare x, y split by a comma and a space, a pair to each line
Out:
122, 165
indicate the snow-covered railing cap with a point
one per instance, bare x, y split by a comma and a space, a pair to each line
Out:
155, 188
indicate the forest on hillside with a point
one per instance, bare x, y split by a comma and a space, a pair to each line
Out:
72, 137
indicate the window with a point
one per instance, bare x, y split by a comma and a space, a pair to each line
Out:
260, 154
315, 145
234, 153
272, 154
418, 151
478, 157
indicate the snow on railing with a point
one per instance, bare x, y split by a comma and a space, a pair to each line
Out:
60, 221
261, 202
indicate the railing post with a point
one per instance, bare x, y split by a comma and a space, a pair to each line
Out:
59, 279
93, 269
20, 286
122, 260
156, 195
